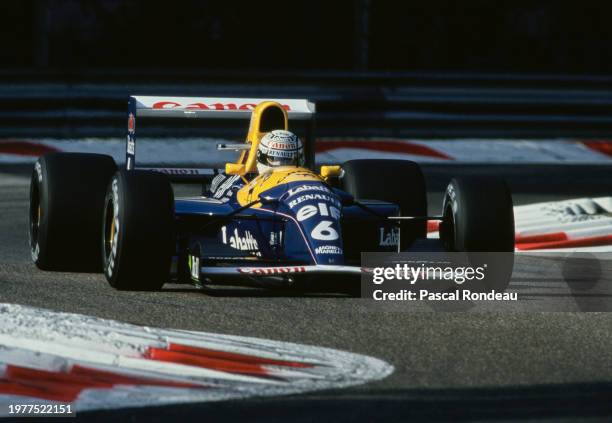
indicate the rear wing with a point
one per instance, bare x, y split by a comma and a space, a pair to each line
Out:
215, 107
209, 108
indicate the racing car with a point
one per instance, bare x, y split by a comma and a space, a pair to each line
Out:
296, 224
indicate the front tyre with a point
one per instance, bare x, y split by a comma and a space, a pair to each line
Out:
479, 220
478, 216
138, 230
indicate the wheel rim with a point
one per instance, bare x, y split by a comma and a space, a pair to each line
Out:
449, 229
111, 229
35, 214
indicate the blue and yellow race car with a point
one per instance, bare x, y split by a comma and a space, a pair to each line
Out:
291, 226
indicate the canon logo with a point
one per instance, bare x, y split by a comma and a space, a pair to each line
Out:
175, 171
213, 106
271, 270
131, 123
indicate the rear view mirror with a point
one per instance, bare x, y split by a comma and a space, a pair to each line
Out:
331, 171
234, 147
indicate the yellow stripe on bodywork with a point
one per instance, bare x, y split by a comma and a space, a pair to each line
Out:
278, 176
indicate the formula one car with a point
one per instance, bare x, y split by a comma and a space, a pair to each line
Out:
292, 225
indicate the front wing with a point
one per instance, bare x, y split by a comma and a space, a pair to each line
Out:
317, 269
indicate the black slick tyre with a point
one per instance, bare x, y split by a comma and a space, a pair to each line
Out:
138, 230
479, 220
66, 203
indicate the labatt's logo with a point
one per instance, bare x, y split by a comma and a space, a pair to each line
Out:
211, 106
291, 192
243, 243
390, 238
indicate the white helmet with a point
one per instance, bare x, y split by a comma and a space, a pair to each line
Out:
279, 148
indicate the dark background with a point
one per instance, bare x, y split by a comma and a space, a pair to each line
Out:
434, 35
419, 68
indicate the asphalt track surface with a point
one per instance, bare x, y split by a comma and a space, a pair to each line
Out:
447, 365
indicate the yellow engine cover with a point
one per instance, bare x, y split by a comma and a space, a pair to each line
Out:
278, 176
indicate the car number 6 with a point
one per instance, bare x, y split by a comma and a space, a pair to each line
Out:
324, 231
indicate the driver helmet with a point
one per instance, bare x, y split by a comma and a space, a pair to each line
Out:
279, 148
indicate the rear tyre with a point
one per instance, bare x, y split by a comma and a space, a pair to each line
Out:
395, 181
138, 231
66, 203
